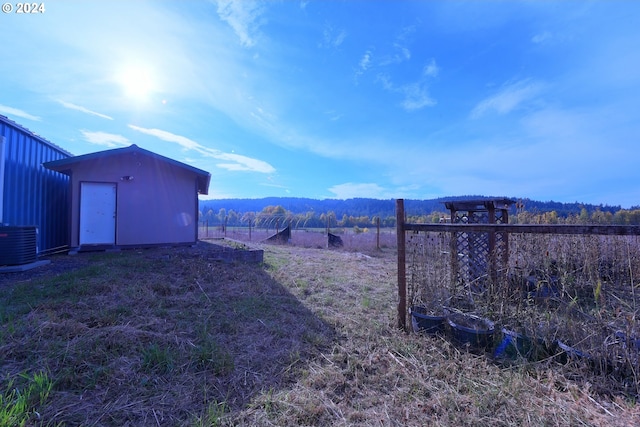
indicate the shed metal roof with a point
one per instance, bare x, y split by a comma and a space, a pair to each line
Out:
35, 136
65, 165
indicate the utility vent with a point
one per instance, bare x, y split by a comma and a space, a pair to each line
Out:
17, 245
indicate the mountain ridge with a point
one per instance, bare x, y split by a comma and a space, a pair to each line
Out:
386, 207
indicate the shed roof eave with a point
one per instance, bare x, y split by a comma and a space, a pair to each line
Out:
66, 165
203, 184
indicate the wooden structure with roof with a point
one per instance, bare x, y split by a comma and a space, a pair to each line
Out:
477, 255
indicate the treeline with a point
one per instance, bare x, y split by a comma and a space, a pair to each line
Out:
620, 217
313, 213
277, 216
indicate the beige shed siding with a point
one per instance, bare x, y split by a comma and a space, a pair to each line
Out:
156, 206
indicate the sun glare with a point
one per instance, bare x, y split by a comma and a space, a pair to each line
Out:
137, 81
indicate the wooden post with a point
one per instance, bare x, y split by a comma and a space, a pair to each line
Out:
378, 233
505, 239
328, 229
493, 271
402, 275
225, 226
453, 246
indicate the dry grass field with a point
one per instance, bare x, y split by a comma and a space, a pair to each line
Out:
172, 337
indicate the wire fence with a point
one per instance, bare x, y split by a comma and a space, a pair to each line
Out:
571, 292
351, 238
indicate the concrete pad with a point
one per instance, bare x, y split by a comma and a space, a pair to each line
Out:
23, 267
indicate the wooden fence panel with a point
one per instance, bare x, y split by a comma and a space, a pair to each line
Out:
505, 229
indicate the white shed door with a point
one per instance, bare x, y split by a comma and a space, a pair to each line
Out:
97, 213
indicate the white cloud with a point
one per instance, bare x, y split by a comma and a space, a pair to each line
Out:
107, 139
365, 61
18, 113
351, 190
364, 64
508, 98
233, 162
404, 52
340, 38
333, 115
416, 95
332, 38
431, 69
241, 163
541, 37
83, 110
184, 142
400, 52
243, 16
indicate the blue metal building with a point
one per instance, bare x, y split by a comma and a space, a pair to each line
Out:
31, 195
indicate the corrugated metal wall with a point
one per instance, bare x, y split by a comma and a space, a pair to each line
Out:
32, 194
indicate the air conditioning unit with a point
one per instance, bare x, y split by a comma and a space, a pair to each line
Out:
18, 245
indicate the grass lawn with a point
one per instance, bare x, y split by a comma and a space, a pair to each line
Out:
172, 337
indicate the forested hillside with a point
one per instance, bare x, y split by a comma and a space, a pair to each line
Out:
362, 212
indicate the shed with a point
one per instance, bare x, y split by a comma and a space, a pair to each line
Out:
131, 197
32, 196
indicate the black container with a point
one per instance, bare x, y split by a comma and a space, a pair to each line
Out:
514, 345
422, 322
471, 330
568, 353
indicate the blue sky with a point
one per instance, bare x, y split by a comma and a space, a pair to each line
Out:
341, 99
